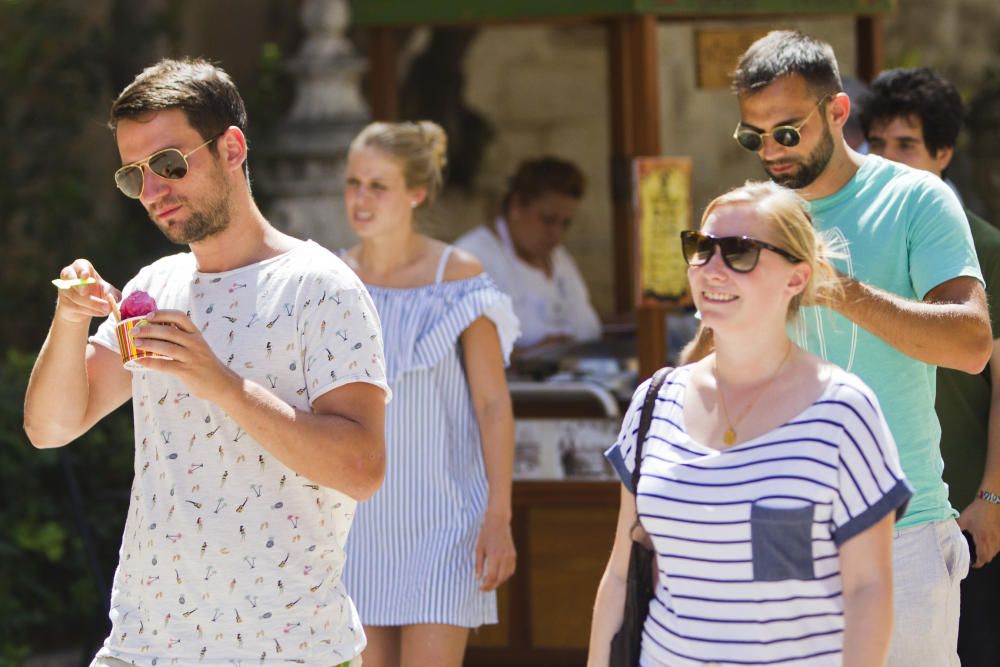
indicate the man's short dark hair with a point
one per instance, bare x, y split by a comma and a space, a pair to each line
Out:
203, 91
540, 176
920, 92
785, 52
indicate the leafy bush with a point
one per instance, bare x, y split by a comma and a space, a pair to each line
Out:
53, 80
46, 580
61, 63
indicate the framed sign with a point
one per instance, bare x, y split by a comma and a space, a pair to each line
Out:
661, 191
718, 51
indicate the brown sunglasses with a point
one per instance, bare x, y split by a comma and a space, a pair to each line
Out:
169, 163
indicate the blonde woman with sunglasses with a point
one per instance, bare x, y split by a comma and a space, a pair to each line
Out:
769, 481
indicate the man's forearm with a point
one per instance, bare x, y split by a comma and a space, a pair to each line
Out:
951, 335
59, 378
330, 449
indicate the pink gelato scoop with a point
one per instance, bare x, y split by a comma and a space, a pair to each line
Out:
137, 303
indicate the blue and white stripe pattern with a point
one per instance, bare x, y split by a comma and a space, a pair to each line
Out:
411, 549
747, 538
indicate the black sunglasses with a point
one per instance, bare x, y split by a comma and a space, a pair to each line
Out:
740, 253
786, 135
169, 163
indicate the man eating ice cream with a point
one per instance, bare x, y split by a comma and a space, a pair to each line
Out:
258, 433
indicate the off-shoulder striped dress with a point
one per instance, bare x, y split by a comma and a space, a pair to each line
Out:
411, 549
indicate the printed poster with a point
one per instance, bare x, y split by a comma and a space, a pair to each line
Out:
662, 206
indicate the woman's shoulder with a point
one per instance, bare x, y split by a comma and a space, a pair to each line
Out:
461, 265
671, 389
850, 392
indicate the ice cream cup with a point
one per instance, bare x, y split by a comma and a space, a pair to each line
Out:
123, 332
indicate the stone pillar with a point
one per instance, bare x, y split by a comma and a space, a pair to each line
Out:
303, 172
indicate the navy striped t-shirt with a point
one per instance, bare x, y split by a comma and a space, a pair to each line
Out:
747, 537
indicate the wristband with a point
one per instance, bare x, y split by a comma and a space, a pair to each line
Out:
989, 496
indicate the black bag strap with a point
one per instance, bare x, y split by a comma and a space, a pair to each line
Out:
645, 419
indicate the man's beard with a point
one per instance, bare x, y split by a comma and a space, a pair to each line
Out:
208, 221
809, 170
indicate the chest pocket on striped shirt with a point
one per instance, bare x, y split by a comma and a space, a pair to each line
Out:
781, 538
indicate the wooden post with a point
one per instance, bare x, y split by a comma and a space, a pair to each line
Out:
633, 79
382, 82
870, 45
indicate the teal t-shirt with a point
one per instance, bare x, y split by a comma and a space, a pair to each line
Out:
903, 231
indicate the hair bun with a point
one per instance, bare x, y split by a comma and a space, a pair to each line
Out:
436, 140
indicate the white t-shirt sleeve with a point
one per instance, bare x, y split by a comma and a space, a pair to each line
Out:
105, 334
871, 481
342, 342
621, 455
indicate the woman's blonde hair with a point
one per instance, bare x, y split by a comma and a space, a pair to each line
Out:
419, 146
787, 214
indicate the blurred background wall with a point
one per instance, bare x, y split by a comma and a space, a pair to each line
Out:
532, 89
511, 92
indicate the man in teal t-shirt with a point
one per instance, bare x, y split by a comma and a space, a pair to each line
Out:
889, 220
913, 300
914, 116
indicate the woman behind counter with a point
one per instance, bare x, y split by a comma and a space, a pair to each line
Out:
428, 551
769, 480
522, 251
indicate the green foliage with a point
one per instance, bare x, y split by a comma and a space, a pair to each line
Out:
45, 581
50, 69
269, 99
61, 63
53, 76
55, 83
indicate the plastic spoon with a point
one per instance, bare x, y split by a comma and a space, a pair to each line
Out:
66, 283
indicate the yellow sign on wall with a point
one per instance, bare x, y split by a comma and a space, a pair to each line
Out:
662, 205
718, 51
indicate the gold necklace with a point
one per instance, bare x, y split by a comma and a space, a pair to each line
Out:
729, 437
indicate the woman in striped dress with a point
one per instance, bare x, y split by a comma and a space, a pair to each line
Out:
428, 551
769, 480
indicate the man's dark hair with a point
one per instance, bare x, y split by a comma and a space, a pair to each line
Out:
920, 92
783, 53
541, 176
203, 91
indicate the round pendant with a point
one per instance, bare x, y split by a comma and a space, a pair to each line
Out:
729, 437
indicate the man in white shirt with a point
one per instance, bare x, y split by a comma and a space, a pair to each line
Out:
258, 429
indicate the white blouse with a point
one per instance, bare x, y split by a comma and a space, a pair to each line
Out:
545, 306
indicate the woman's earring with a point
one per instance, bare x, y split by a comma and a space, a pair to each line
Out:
413, 204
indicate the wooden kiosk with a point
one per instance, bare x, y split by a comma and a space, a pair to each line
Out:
563, 529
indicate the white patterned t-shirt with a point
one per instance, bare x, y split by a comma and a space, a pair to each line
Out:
229, 557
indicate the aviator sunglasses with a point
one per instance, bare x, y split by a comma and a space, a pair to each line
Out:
786, 135
740, 253
169, 163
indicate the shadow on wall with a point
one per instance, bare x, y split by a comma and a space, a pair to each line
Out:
434, 89
983, 124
